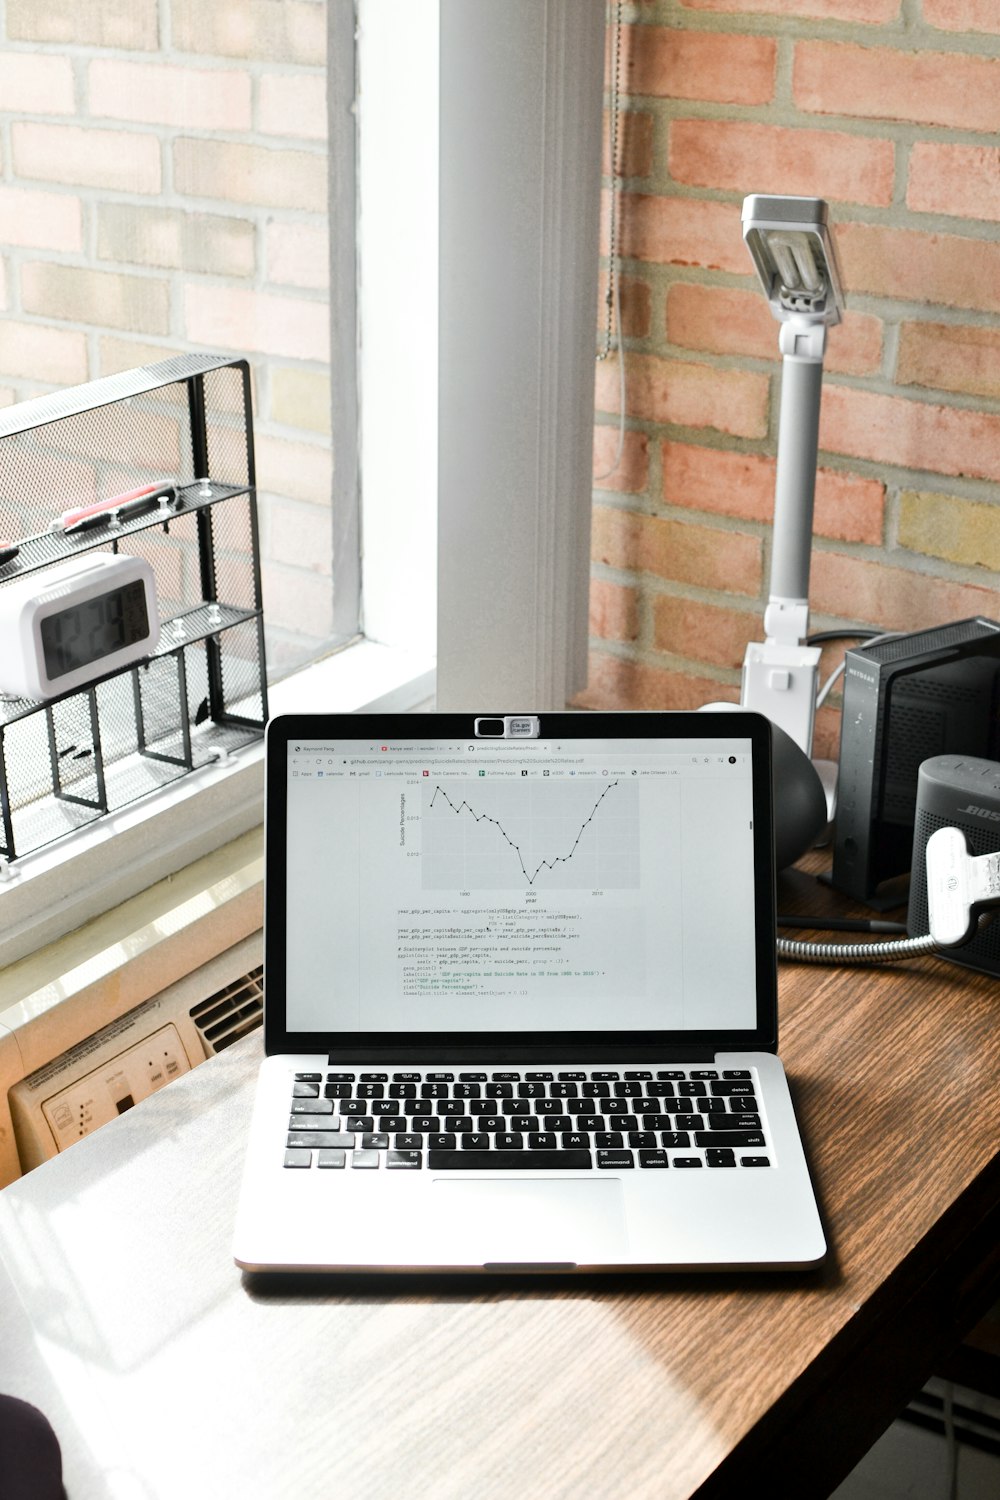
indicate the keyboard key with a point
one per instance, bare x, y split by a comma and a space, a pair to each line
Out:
404, 1160
609, 1139
736, 1072
313, 1122
691, 1089
590, 1122
433, 1090
643, 1138
425, 1122
440, 1078
572, 1077
734, 1122
409, 1142
654, 1159
539, 1077
656, 1122
366, 1159
727, 1088
491, 1124
606, 1077
305, 1090
719, 1156
628, 1090
596, 1090
475, 1140
308, 1078
375, 1078
331, 1158
402, 1091
361, 1124
679, 1140
312, 1107
574, 1140
318, 1139
640, 1076
615, 1159
704, 1073
509, 1141
506, 1078
452, 1106
466, 1091
687, 1161
517, 1161
531, 1091
755, 1161
441, 1142
336, 1091
340, 1077
729, 1138
500, 1090
558, 1122
674, 1073
385, 1108
472, 1077
375, 1142
746, 1104
543, 1140
406, 1077
563, 1091
299, 1158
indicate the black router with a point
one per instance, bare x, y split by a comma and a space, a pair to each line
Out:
929, 693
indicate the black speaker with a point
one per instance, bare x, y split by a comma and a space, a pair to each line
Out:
963, 792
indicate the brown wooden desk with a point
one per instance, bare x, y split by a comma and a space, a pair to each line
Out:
169, 1377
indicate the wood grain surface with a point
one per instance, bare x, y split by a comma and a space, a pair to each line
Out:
166, 1373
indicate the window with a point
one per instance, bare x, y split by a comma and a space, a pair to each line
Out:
175, 173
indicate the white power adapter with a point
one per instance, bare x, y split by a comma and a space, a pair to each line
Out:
959, 886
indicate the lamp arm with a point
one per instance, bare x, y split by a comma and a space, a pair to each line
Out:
803, 345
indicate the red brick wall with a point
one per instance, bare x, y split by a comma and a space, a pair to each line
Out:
890, 110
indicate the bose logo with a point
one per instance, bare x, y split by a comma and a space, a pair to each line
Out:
982, 812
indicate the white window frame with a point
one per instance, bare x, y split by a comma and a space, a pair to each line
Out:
447, 494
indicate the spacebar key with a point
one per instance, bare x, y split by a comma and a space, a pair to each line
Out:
510, 1161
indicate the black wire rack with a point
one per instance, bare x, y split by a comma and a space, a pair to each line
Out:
201, 694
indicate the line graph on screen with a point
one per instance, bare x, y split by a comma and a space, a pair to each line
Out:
545, 835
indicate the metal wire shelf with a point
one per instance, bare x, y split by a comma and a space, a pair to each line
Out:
201, 693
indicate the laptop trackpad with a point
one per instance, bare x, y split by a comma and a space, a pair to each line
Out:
524, 1223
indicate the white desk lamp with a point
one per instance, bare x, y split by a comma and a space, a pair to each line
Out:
796, 260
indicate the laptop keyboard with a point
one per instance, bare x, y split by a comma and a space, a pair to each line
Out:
677, 1118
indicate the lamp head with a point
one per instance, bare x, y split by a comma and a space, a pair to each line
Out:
796, 259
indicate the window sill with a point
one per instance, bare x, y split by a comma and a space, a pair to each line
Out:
50, 893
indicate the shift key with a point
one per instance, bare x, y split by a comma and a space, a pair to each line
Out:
729, 1138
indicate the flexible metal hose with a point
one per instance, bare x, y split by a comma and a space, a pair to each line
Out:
855, 953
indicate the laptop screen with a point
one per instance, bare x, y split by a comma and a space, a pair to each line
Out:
599, 878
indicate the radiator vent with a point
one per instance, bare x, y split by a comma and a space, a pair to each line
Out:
231, 1012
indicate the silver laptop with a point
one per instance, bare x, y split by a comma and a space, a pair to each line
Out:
520, 1000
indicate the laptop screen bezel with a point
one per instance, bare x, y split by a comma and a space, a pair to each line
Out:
539, 1045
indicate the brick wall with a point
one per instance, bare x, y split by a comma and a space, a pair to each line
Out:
163, 179
890, 110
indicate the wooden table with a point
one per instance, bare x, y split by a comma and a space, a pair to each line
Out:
168, 1376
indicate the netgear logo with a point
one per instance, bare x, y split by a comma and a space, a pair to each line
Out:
982, 812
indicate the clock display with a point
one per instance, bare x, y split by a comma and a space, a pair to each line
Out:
85, 632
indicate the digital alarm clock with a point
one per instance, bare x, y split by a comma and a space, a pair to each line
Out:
62, 627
